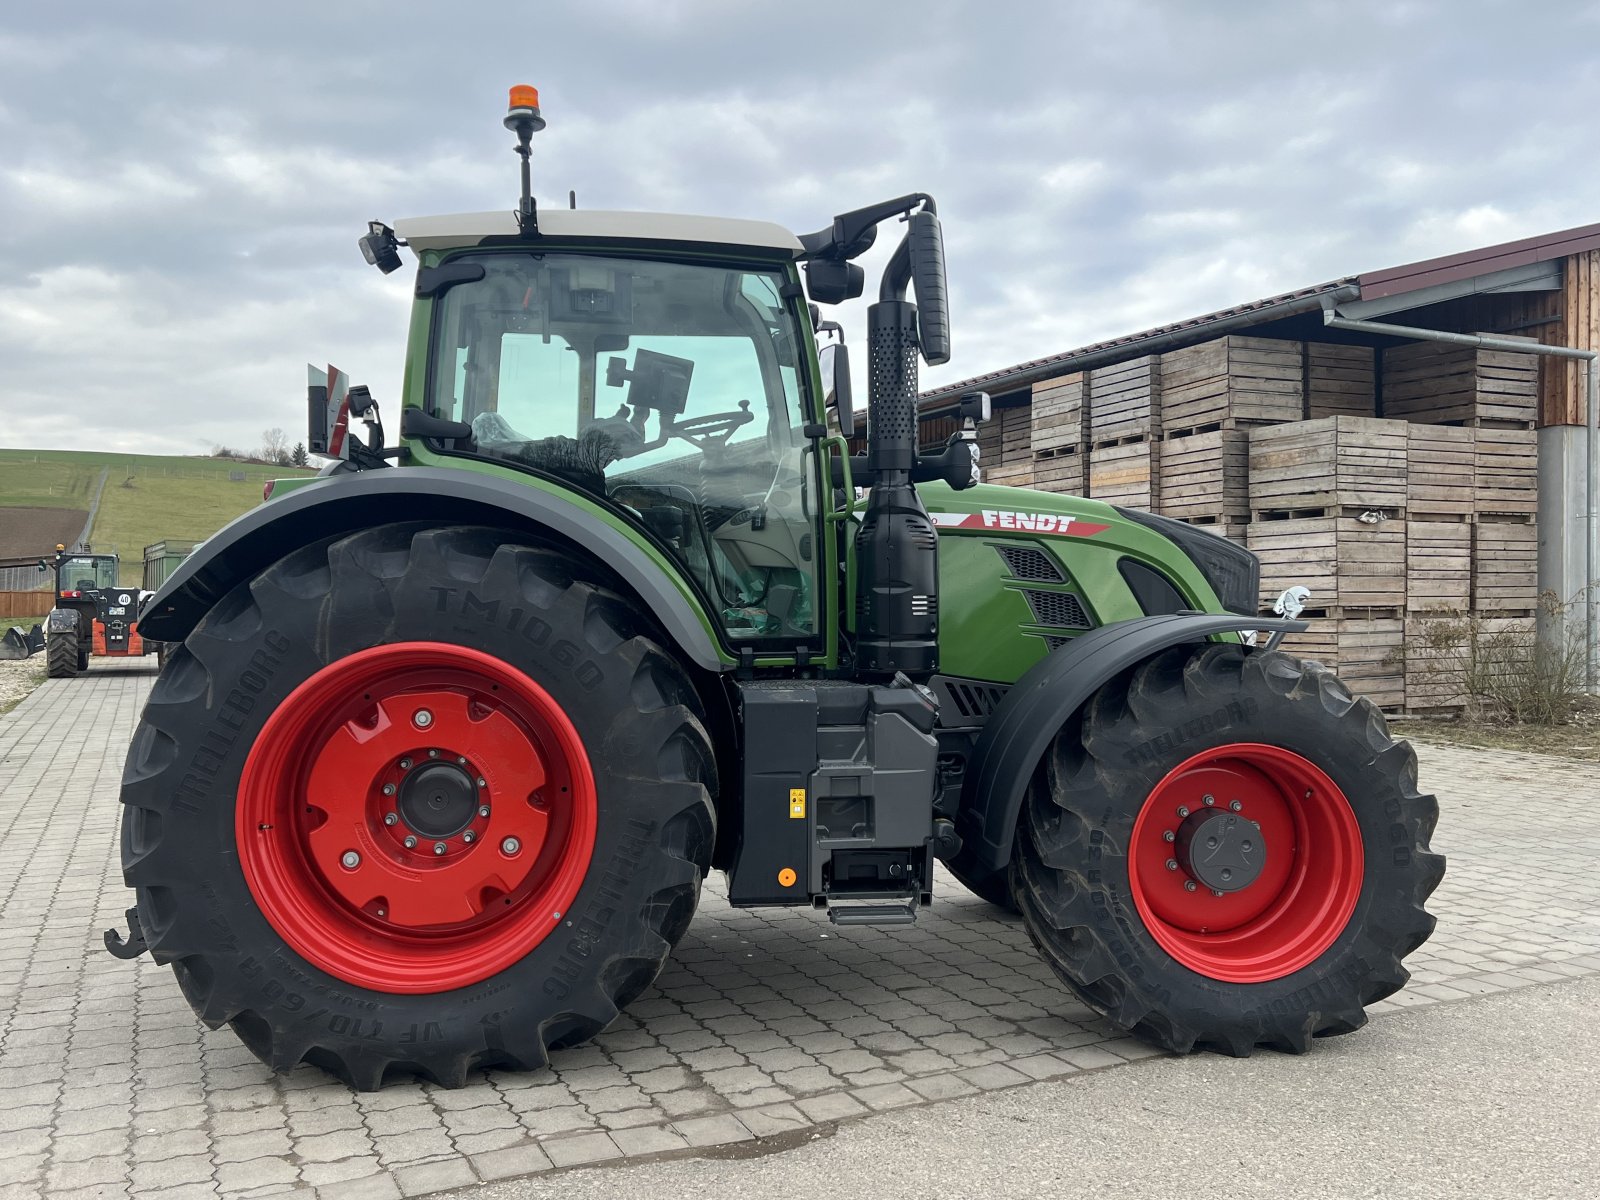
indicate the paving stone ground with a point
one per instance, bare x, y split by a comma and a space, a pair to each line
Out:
763, 1023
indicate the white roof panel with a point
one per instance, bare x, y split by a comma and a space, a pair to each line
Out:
468, 229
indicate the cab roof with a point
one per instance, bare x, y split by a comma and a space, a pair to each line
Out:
470, 229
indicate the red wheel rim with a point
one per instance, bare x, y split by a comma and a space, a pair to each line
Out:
415, 741
1308, 883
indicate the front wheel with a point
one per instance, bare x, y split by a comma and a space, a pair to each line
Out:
62, 658
1226, 849
418, 801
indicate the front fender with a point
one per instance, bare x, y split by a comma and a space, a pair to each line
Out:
1024, 723
348, 502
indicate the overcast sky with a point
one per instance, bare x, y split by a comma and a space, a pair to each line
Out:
182, 184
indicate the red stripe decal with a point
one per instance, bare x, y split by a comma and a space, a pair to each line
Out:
1022, 522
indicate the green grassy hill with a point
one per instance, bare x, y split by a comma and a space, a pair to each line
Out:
147, 498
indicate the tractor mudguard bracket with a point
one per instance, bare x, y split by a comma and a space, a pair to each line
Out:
347, 503
1021, 728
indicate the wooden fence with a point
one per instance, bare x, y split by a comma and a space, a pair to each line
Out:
26, 604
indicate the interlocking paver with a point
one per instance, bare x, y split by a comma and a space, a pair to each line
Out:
109, 1085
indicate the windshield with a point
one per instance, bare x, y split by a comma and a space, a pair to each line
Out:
672, 390
87, 572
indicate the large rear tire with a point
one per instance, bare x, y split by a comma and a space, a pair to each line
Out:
62, 659
1226, 850
418, 801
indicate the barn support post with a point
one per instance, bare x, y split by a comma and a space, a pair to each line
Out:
1591, 573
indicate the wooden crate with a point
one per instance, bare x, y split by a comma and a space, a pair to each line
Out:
1204, 476
1231, 381
1006, 437
1505, 471
1125, 474
1447, 384
1440, 469
1438, 565
1505, 567
1056, 413
1060, 471
1331, 463
1345, 561
1340, 380
1363, 650
1441, 654
1012, 474
1123, 401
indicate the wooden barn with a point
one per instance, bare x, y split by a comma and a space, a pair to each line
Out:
1390, 440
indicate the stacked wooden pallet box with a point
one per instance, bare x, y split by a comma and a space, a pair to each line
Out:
1212, 396
1398, 525
1056, 439
1328, 498
1473, 550
1004, 445
1123, 407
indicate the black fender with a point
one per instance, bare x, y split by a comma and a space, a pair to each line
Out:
347, 502
1016, 735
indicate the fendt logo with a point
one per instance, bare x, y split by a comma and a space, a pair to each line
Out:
1000, 518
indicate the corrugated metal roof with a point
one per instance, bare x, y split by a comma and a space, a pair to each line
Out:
1370, 286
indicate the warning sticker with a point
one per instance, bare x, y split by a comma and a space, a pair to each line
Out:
797, 804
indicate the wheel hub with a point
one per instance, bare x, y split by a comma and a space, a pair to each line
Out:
438, 800
1220, 850
407, 867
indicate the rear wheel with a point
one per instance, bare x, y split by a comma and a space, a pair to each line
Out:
417, 800
1226, 849
62, 658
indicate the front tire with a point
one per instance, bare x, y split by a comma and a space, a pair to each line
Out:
62, 658
1226, 849
362, 703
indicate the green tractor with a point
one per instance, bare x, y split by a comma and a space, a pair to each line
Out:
449, 738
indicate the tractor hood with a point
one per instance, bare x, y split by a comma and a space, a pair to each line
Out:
1022, 572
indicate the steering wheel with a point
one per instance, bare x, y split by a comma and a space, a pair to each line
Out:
713, 429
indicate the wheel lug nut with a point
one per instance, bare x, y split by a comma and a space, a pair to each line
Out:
1183, 810
388, 789
1208, 801
483, 810
461, 762
482, 784
440, 847
1172, 864
433, 754
511, 845
390, 819
469, 837
1189, 885
1257, 824
350, 860
1235, 806
410, 842
405, 764
422, 719
1216, 893
1169, 836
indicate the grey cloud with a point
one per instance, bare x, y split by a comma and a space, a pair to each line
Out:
181, 185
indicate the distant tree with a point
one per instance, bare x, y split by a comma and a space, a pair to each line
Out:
275, 446
298, 454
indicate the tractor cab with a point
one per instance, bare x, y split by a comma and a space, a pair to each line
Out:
669, 390
83, 577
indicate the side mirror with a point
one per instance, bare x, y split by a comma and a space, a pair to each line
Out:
834, 360
926, 240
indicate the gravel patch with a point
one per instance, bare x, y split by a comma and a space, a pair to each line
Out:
18, 677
